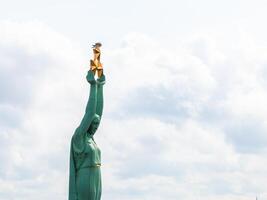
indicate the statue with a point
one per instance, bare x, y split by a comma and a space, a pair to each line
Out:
85, 156
95, 64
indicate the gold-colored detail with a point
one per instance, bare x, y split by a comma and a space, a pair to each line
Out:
95, 64
96, 165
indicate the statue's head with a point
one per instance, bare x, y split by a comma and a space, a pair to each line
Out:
94, 124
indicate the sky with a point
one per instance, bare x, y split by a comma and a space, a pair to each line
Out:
185, 94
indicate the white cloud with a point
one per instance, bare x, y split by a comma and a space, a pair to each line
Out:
38, 76
173, 116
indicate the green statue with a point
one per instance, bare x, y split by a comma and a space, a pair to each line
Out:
85, 157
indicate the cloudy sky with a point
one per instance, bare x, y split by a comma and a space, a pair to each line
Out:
185, 112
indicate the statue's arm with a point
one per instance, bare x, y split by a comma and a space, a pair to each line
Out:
100, 98
91, 104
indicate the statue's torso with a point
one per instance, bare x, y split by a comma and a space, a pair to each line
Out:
91, 155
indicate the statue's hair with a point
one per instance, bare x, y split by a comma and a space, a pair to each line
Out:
96, 116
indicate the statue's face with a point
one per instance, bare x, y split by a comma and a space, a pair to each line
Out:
94, 125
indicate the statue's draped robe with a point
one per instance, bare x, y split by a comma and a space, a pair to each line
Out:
84, 175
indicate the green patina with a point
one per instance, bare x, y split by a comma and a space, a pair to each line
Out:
85, 157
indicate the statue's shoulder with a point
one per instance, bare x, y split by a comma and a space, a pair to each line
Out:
77, 141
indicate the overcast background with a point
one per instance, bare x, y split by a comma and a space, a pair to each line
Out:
185, 112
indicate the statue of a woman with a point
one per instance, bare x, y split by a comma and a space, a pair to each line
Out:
85, 156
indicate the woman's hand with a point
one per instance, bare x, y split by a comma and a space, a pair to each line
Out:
90, 77
101, 80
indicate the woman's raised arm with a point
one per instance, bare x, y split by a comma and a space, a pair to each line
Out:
80, 132
91, 104
100, 99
